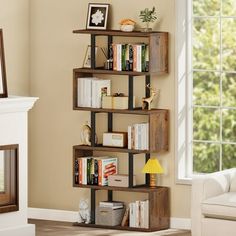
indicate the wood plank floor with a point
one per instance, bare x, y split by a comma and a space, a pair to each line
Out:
52, 228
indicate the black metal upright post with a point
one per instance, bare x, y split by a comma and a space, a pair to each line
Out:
131, 92
110, 121
147, 82
131, 170
93, 49
110, 195
93, 128
147, 176
93, 205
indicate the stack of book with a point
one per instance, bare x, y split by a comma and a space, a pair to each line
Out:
130, 57
138, 214
138, 136
94, 170
90, 91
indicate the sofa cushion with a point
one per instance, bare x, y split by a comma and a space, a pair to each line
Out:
222, 206
233, 183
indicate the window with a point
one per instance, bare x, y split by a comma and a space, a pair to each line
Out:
207, 110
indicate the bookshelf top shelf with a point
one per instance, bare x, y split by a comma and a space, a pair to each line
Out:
141, 188
118, 33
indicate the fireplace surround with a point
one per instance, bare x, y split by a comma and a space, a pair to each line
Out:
14, 130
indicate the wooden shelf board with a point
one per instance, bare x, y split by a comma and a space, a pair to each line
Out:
138, 189
135, 111
111, 72
117, 33
110, 149
118, 227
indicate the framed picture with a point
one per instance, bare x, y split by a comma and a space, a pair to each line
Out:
3, 79
97, 16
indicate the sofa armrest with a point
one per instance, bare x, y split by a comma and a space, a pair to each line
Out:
203, 187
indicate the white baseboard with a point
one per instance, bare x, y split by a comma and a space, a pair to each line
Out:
71, 216
24, 230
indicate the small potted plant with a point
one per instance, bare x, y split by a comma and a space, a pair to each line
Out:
147, 16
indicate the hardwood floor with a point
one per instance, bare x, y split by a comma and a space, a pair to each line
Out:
52, 228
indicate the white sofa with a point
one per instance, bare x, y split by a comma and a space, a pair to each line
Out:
214, 204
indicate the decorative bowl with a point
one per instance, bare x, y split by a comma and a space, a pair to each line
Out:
127, 28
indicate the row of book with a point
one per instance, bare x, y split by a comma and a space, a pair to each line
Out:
138, 136
139, 214
94, 170
130, 57
90, 91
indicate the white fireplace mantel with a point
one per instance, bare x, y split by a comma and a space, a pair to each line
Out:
14, 130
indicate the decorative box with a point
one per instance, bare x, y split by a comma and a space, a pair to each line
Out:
120, 102
120, 180
107, 102
109, 216
115, 139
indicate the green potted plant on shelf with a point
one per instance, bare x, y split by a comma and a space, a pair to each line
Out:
147, 16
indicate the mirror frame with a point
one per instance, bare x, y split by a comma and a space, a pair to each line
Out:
3, 80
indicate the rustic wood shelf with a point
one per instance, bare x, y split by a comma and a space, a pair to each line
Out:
134, 111
110, 149
118, 33
139, 189
118, 227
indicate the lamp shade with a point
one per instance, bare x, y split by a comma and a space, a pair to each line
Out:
153, 167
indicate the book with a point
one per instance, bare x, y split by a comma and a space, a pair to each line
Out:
106, 167
144, 213
132, 215
125, 219
76, 166
111, 203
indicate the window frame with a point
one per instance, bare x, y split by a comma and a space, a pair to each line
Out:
183, 88
184, 93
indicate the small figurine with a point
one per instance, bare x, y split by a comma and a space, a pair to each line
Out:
86, 135
147, 101
127, 25
84, 215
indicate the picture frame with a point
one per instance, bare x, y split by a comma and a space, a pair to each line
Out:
87, 57
97, 16
3, 79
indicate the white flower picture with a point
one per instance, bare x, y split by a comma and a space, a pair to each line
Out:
97, 16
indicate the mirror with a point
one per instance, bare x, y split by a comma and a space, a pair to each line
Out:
3, 79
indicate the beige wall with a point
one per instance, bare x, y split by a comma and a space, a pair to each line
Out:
14, 20
55, 127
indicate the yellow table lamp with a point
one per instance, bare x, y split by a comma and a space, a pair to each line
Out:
153, 167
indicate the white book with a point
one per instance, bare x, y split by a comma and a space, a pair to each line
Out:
132, 214
139, 58
137, 214
147, 136
88, 92
119, 56
139, 136
129, 137
79, 90
142, 206
143, 136
146, 214
136, 136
